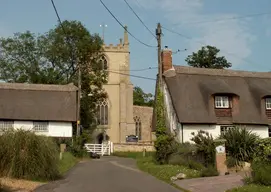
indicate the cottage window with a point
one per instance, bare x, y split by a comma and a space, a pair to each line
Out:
222, 102
6, 125
224, 129
269, 131
40, 126
268, 103
138, 128
102, 112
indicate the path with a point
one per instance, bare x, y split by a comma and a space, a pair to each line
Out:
110, 174
211, 184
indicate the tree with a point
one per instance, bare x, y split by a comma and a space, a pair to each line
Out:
207, 57
141, 98
53, 58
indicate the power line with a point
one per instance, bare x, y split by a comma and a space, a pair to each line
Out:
139, 18
136, 76
204, 44
143, 69
226, 19
147, 45
68, 40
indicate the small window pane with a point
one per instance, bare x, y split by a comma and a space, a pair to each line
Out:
6, 125
221, 102
40, 126
268, 103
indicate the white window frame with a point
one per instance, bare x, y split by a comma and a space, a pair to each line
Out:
222, 102
268, 103
41, 126
6, 125
225, 128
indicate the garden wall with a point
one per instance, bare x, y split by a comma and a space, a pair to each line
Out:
135, 147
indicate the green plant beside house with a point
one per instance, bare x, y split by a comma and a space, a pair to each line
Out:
25, 155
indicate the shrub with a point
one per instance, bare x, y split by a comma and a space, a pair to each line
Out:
263, 150
209, 172
261, 172
26, 155
77, 148
240, 144
231, 162
205, 146
164, 145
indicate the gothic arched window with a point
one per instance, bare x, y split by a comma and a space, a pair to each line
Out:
138, 127
102, 112
104, 63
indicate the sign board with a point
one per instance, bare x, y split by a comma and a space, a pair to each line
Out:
220, 149
131, 138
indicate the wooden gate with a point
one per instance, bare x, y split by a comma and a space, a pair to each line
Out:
105, 148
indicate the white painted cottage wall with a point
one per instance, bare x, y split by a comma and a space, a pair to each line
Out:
55, 129
170, 112
260, 130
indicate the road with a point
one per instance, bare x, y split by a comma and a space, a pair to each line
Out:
109, 174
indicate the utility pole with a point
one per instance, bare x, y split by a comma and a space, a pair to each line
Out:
78, 101
158, 37
103, 26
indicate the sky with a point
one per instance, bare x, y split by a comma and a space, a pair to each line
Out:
246, 42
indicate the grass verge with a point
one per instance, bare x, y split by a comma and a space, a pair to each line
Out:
251, 188
161, 172
66, 163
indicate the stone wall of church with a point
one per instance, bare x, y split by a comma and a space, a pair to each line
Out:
144, 114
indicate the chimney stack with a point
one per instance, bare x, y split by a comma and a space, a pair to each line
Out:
166, 57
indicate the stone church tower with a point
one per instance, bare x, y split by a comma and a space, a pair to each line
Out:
116, 113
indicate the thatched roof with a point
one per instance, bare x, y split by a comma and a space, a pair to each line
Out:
20, 101
191, 88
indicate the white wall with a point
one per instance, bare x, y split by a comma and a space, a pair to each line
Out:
171, 117
260, 130
55, 129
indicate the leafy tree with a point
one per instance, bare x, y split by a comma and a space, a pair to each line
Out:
53, 58
141, 98
207, 57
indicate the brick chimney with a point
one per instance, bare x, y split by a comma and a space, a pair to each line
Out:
166, 57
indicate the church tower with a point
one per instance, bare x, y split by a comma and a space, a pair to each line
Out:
116, 113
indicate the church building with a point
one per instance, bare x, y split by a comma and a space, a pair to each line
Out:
117, 117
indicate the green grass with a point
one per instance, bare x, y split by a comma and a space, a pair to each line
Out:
251, 188
66, 163
162, 172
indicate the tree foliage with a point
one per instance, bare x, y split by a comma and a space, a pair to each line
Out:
53, 58
207, 57
141, 98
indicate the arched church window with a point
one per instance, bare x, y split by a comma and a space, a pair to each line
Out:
102, 112
138, 127
104, 63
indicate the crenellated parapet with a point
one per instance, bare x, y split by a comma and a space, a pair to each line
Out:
123, 46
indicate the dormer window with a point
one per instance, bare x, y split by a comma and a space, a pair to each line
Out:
268, 103
222, 102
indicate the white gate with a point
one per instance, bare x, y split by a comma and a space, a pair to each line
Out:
105, 148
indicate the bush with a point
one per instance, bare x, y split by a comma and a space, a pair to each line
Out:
261, 172
77, 149
240, 144
205, 147
185, 155
165, 146
209, 172
26, 155
263, 150
231, 162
